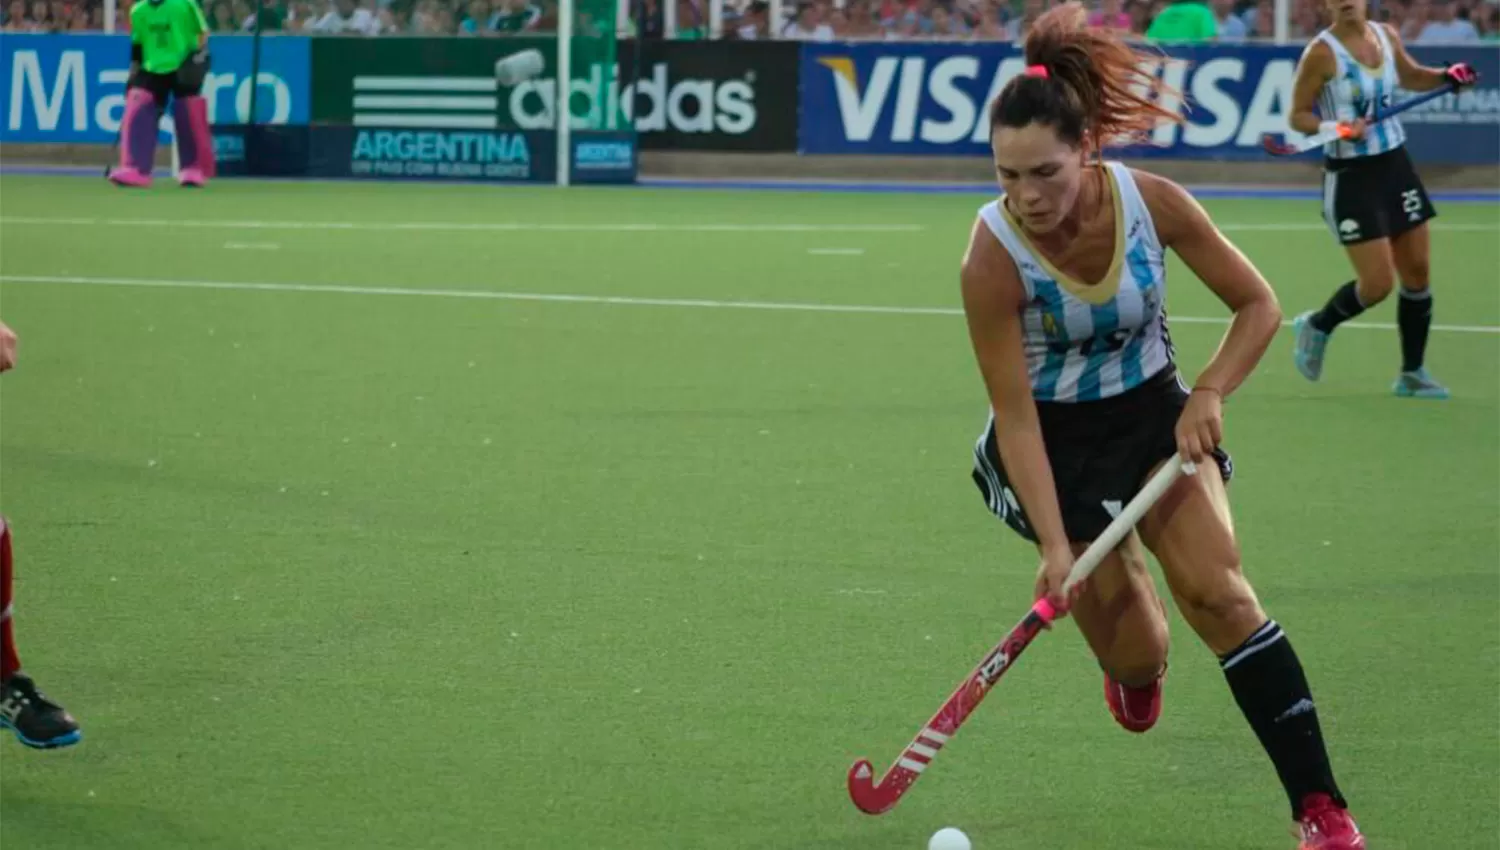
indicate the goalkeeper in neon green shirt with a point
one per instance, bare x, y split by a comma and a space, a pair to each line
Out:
168, 58
1184, 22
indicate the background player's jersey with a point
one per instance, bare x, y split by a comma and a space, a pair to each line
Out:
167, 31
1355, 91
1085, 343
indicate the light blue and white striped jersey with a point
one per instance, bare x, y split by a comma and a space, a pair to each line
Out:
1085, 343
1355, 91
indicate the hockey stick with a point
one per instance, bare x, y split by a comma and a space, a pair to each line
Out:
1341, 131
114, 150
877, 799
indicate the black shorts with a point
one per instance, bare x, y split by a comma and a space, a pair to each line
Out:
1101, 454
180, 83
1373, 197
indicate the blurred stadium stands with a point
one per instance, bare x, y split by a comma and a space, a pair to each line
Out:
1420, 21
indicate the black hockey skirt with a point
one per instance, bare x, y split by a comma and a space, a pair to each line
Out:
1373, 197
1101, 453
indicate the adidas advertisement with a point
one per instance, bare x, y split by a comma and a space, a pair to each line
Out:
729, 96
680, 96
456, 103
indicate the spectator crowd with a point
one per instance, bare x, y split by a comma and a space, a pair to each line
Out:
1419, 21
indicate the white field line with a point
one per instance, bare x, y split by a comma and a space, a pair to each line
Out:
1291, 226
614, 227
467, 226
702, 303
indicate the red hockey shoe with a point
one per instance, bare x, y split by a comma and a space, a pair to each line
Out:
1327, 826
1134, 708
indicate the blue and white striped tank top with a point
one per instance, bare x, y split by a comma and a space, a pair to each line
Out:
1085, 343
1355, 91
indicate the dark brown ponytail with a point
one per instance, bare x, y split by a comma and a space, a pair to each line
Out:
1082, 82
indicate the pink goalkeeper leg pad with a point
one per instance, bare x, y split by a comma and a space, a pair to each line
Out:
195, 142
137, 139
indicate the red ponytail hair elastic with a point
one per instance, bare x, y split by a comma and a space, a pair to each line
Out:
1037, 71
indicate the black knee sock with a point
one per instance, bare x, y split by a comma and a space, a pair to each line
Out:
1343, 306
1413, 317
1267, 681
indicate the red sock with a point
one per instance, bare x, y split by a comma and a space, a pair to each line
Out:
10, 662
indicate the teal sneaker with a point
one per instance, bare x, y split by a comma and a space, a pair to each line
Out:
1419, 384
1310, 344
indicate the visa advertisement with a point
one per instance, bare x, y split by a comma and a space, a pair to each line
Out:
70, 89
932, 99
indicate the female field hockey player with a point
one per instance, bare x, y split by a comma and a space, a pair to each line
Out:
1373, 200
1063, 286
36, 721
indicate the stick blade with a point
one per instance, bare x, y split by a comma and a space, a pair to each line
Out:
870, 798
1275, 147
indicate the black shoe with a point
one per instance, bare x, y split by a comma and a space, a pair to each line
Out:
37, 721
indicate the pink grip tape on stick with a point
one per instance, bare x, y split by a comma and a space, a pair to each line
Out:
874, 799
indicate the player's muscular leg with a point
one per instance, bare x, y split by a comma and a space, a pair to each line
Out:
1192, 534
1411, 251
1121, 616
1414, 312
1373, 272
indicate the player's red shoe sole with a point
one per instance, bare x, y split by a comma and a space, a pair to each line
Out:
1136, 709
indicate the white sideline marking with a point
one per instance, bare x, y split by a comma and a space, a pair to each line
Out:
705, 303
468, 226
252, 246
616, 227
1287, 226
25, 220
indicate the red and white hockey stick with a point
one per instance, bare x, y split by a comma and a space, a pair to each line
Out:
877, 799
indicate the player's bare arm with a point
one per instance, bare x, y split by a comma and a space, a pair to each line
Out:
1413, 75
1184, 226
992, 297
1313, 72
